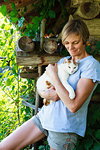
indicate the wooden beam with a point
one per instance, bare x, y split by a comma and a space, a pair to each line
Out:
42, 59
29, 105
39, 60
30, 75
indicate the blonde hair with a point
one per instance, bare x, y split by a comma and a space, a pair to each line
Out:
75, 26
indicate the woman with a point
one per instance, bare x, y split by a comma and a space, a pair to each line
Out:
63, 120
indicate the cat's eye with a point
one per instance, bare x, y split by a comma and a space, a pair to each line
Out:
69, 67
74, 67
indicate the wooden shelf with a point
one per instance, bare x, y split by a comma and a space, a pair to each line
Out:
40, 59
37, 59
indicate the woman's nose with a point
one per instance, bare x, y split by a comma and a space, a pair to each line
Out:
70, 46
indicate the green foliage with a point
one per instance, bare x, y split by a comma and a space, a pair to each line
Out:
3, 10
12, 87
92, 137
93, 47
45, 10
45, 146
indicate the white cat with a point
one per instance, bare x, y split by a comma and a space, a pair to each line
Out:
64, 70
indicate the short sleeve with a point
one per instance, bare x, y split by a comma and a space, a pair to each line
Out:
91, 70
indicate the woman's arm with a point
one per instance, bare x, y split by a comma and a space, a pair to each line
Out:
83, 90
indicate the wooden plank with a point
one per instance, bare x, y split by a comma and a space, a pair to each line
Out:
29, 105
29, 75
42, 59
93, 26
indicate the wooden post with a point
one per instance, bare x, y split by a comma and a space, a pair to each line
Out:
37, 95
39, 67
42, 33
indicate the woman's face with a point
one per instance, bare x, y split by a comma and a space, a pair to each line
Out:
74, 45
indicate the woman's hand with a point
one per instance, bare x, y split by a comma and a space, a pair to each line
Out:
50, 94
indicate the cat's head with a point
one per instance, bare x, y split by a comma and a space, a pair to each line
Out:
71, 65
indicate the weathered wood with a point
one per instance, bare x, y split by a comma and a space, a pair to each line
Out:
42, 33
26, 44
29, 105
29, 75
75, 3
37, 95
41, 59
50, 46
88, 10
93, 25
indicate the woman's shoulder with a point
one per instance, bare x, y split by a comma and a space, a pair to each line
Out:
89, 61
90, 68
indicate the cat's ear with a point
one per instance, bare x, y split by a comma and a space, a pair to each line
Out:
66, 60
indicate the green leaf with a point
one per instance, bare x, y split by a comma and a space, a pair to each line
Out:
3, 10
14, 19
2, 26
13, 5
97, 134
11, 31
8, 82
52, 14
44, 2
24, 86
96, 146
98, 45
36, 20
13, 14
88, 144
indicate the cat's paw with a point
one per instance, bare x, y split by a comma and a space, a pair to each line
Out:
72, 96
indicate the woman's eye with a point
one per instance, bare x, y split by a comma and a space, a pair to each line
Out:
76, 42
66, 44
